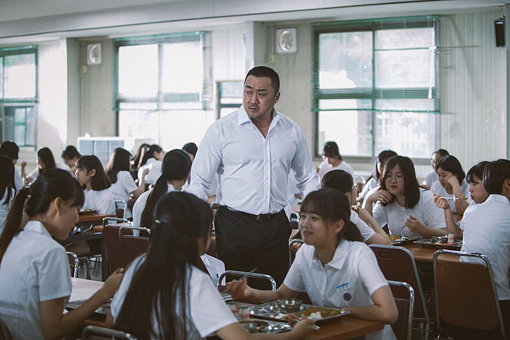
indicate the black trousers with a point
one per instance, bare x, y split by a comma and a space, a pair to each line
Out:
244, 243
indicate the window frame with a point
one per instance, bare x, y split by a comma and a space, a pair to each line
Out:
373, 93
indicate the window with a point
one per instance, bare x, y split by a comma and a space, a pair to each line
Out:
230, 96
163, 88
18, 95
377, 86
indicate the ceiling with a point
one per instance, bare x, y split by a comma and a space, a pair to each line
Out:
36, 20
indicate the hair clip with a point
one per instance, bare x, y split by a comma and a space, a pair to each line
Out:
157, 221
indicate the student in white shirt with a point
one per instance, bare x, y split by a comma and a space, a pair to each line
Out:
370, 230
485, 228
452, 184
45, 160
432, 176
333, 160
407, 209
34, 268
7, 188
377, 170
175, 172
11, 150
123, 185
331, 267
96, 185
164, 295
151, 160
70, 155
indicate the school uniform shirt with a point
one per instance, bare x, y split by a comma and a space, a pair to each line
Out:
348, 280
438, 189
34, 268
372, 183
486, 231
154, 167
366, 231
252, 171
325, 167
99, 200
431, 178
368, 194
208, 312
123, 188
18, 181
140, 204
396, 216
4, 208
215, 267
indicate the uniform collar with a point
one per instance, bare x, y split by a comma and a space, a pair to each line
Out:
36, 227
170, 187
497, 198
338, 258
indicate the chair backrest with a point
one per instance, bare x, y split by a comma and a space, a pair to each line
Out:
397, 264
465, 292
294, 246
403, 328
95, 332
131, 244
238, 273
74, 263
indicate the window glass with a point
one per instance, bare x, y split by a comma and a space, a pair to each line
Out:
19, 77
182, 67
138, 71
19, 125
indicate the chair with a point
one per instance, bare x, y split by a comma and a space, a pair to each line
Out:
112, 241
95, 332
238, 273
403, 328
466, 300
74, 262
294, 246
397, 264
132, 245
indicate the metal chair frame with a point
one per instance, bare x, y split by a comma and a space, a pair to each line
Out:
247, 274
121, 228
76, 263
491, 277
291, 244
107, 332
409, 330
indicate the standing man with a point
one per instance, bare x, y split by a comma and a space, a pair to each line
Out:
252, 151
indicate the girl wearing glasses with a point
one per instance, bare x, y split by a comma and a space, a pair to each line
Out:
403, 205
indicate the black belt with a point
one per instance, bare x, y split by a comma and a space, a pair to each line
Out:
259, 217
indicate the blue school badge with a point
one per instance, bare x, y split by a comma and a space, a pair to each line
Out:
344, 288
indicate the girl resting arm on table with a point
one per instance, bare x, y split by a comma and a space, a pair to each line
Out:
34, 268
331, 255
165, 296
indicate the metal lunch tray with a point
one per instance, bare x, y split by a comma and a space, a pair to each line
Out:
274, 311
275, 326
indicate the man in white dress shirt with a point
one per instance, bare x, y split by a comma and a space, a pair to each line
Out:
252, 151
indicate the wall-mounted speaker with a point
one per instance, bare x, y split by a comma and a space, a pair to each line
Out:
499, 31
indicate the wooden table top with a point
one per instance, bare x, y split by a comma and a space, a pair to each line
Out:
346, 328
423, 254
90, 218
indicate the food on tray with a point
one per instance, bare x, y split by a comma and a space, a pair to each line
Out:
394, 237
319, 312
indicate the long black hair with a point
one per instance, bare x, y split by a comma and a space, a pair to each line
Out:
46, 157
70, 152
7, 185
160, 287
35, 200
476, 172
495, 174
332, 205
411, 185
99, 181
149, 153
176, 165
138, 157
382, 157
120, 160
330, 149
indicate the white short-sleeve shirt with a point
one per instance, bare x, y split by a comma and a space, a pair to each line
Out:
154, 167
431, 178
124, 186
325, 167
348, 280
438, 189
100, 200
396, 216
366, 231
18, 181
487, 231
140, 204
208, 311
34, 268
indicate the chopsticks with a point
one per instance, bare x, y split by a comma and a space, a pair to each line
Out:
247, 274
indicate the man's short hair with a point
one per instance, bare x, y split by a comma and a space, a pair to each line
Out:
264, 71
494, 174
9, 149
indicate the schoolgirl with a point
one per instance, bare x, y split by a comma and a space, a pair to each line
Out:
96, 185
403, 205
377, 169
332, 160
7, 188
34, 268
175, 171
70, 156
151, 160
45, 160
452, 184
370, 230
331, 267
118, 171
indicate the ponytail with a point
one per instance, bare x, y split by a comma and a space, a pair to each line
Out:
160, 188
13, 221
